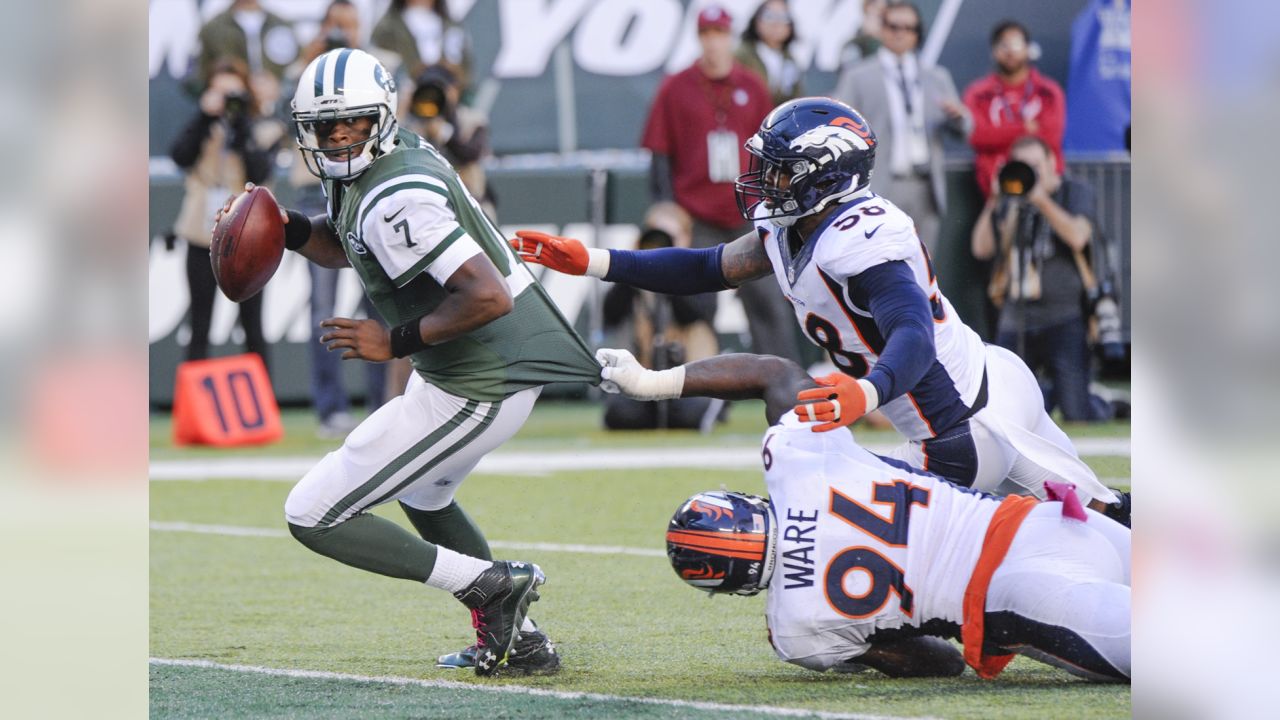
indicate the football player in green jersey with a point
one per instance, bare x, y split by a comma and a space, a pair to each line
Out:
483, 338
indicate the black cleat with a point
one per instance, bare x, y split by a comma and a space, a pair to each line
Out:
1122, 510
532, 654
499, 600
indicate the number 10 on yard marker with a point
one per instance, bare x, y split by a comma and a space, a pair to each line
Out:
225, 402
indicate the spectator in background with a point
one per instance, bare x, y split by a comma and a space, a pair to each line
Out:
662, 331
226, 144
866, 41
1013, 101
1038, 237
265, 42
911, 107
339, 28
766, 50
459, 132
423, 34
696, 128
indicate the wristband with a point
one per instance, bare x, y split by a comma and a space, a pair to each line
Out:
297, 231
870, 394
406, 339
597, 262
653, 384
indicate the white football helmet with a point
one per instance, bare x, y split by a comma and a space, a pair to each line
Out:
342, 84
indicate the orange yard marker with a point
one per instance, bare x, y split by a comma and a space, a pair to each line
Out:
225, 402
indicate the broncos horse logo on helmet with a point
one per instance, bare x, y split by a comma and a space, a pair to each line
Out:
723, 542
338, 86
809, 154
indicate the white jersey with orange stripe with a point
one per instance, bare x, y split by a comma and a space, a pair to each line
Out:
861, 234
863, 545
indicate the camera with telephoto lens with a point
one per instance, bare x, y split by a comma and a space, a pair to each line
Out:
429, 100
235, 103
1017, 178
1106, 311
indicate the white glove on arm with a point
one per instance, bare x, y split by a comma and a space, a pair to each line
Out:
622, 373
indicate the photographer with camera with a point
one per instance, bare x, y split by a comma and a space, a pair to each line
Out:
226, 144
662, 331
459, 132
1045, 279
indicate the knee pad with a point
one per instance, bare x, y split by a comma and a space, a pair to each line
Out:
311, 497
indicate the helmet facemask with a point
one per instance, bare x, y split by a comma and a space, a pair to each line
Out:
348, 161
767, 184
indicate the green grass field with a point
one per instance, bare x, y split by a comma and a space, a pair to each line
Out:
246, 623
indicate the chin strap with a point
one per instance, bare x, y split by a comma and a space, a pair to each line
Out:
345, 168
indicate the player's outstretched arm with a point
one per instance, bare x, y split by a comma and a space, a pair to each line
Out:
670, 271
924, 656
736, 376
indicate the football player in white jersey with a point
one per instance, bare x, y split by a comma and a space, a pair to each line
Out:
863, 289
868, 561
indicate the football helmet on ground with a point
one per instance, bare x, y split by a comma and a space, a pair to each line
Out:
723, 542
338, 86
809, 154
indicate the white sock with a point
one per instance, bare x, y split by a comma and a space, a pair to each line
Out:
455, 571
528, 625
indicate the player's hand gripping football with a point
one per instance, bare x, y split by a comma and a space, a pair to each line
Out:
622, 373
838, 403
364, 339
226, 206
561, 254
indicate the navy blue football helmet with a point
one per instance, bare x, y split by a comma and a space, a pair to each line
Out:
723, 542
808, 154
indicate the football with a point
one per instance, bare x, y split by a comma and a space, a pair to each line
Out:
247, 244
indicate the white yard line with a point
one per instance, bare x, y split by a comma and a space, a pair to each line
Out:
525, 463
244, 531
518, 690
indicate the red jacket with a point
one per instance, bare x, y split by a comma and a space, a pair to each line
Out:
999, 115
687, 107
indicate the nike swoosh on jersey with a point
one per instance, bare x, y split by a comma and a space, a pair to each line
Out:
872, 231
393, 216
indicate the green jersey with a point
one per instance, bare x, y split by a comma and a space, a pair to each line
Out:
407, 224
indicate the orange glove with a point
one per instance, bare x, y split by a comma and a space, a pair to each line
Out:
847, 400
561, 254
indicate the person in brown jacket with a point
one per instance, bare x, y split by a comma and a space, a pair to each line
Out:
226, 144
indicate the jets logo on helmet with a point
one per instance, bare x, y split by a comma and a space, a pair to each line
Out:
723, 542
809, 154
381, 77
343, 86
